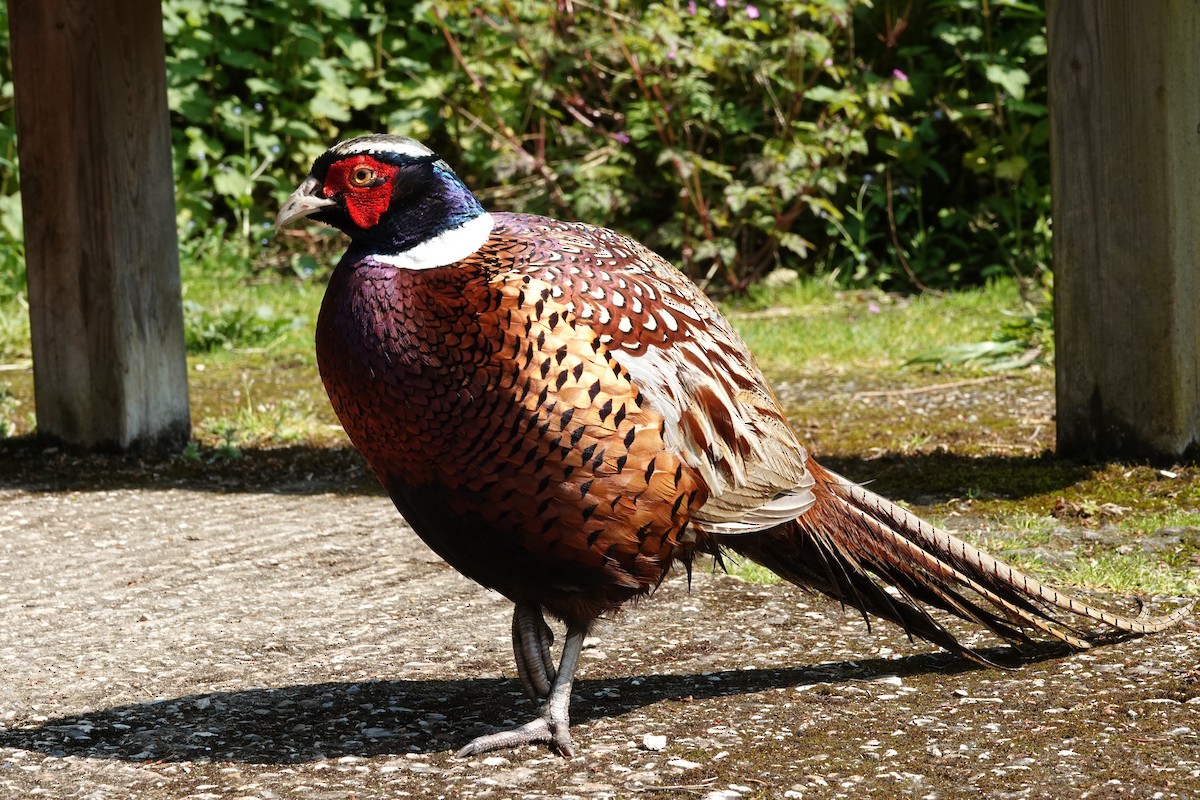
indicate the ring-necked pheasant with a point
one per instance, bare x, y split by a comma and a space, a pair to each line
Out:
561, 415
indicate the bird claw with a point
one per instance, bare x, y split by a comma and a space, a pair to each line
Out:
538, 731
553, 724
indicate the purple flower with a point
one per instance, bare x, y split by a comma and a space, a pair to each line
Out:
898, 75
691, 8
623, 138
719, 3
752, 12
671, 55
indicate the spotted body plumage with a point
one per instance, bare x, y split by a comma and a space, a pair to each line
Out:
561, 415
480, 398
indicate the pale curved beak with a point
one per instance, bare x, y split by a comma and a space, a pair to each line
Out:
304, 202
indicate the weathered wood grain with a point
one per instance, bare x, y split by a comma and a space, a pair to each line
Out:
101, 249
1125, 148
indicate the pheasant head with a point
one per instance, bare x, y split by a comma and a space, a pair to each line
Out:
395, 198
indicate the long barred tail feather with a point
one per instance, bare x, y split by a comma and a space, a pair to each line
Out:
853, 545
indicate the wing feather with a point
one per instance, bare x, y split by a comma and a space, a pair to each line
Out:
721, 417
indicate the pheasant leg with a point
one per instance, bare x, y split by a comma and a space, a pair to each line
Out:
553, 721
532, 638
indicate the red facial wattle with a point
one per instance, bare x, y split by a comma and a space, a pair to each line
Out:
365, 183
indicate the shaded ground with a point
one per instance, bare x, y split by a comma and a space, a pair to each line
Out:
205, 637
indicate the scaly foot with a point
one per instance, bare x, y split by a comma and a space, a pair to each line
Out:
553, 724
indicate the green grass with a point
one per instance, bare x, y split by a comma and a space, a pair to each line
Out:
812, 327
1132, 573
257, 416
252, 371
1034, 544
1152, 521
227, 312
749, 571
1113, 563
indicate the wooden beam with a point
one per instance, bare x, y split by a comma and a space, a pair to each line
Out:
97, 194
1125, 151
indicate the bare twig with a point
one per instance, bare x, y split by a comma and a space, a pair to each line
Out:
891, 217
934, 387
500, 130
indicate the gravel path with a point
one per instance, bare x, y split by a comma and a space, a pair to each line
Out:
198, 643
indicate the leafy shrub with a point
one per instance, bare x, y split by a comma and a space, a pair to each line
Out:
890, 143
966, 195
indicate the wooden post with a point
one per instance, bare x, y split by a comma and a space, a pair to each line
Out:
98, 199
1125, 151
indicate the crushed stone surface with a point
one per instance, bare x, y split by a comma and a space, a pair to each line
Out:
202, 643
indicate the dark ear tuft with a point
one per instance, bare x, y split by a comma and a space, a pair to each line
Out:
414, 180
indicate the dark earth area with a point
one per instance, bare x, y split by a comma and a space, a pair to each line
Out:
267, 627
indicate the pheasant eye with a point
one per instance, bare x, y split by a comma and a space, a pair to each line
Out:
362, 176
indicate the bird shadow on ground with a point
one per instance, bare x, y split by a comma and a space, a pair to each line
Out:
35, 465
301, 723
937, 477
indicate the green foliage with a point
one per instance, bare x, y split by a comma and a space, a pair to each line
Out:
14, 329
1022, 339
229, 306
257, 91
883, 142
260, 417
232, 326
8, 411
12, 242
1128, 573
810, 327
966, 195
720, 134
274, 423
750, 571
